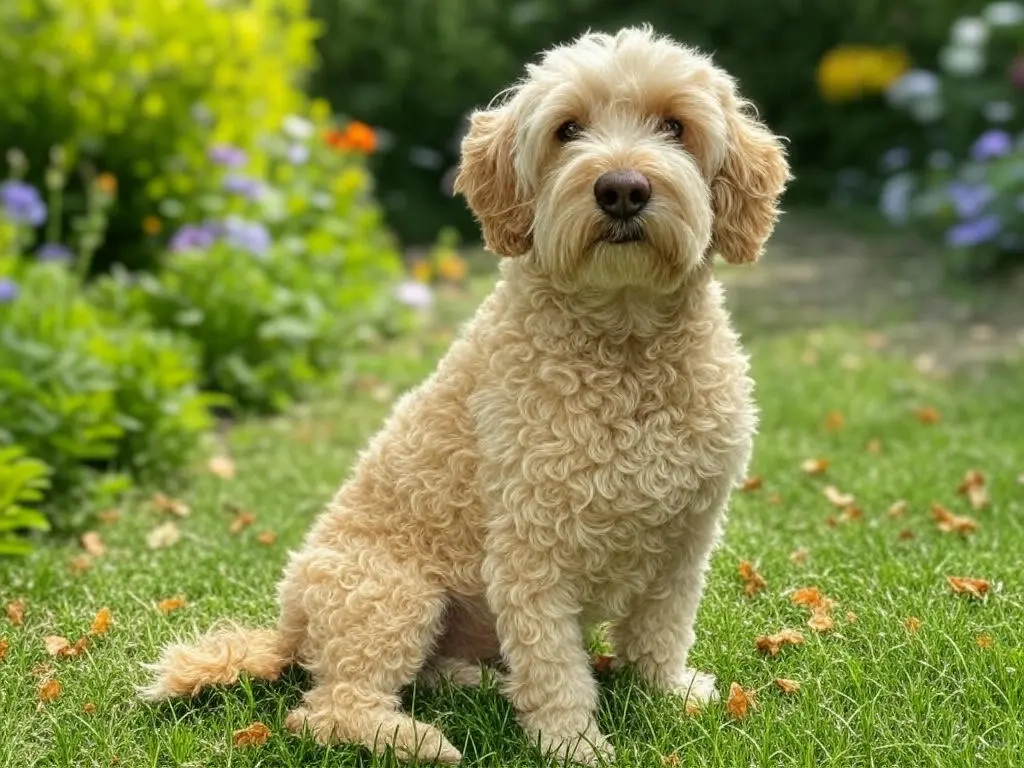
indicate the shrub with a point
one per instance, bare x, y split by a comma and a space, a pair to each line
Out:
23, 481
133, 88
962, 182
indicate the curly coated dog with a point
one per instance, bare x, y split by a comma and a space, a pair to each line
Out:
570, 460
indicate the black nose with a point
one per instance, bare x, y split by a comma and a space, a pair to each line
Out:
622, 194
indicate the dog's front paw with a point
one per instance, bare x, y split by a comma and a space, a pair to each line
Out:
581, 746
695, 688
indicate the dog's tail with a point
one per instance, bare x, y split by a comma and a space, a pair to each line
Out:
217, 658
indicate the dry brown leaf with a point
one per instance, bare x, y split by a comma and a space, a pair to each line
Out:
820, 620
165, 503
672, 761
772, 644
912, 624
798, 556
810, 597
834, 421
101, 621
973, 478
49, 690
851, 514
906, 534
831, 521
109, 516
740, 701
851, 617
165, 535
3, 648
814, 466
969, 586
16, 612
242, 521
985, 641
603, 662
787, 686
874, 446
254, 736
927, 415
979, 498
171, 604
89, 708
55, 644
80, 563
950, 523
93, 544
837, 497
752, 484
222, 467
754, 582
898, 508
266, 537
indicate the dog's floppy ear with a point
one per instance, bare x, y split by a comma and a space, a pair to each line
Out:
747, 190
487, 179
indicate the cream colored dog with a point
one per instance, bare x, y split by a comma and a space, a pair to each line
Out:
570, 460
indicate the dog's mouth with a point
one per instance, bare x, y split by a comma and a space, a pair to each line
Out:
623, 232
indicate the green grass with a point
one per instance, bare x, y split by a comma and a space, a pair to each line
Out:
873, 693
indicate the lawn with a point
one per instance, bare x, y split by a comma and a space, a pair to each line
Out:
910, 672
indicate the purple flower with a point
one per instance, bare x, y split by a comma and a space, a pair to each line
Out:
414, 294
227, 155
974, 232
54, 252
8, 290
247, 187
993, 143
248, 235
297, 154
192, 238
22, 203
969, 199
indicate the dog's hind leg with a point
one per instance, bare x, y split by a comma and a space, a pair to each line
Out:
371, 621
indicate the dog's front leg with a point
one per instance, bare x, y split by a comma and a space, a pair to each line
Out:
550, 682
656, 635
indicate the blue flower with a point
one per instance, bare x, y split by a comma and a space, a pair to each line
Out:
297, 154
250, 236
247, 187
22, 203
969, 200
974, 232
8, 290
192, 238
227, 155
54, 252
991, 144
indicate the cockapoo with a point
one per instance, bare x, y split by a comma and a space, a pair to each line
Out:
570, 460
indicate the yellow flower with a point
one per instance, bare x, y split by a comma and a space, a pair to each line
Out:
421, 271
151, 225
849, 72
451, 267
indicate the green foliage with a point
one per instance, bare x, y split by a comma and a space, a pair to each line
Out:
23, 481
132, 87
437, 59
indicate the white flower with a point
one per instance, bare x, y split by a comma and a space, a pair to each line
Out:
998, 111
927, 110
298, 128
895, 199
1004, 14
962, 61
414, 294
913, 85
969, 32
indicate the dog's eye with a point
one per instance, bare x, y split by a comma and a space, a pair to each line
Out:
673, 127
568, 131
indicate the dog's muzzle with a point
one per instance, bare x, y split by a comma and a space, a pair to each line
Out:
622, 195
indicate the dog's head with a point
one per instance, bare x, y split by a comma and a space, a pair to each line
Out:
623, 160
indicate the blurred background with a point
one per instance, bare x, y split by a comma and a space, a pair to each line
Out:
208, 204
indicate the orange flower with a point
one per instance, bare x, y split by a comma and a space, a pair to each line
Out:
107, 183
357, 137
151, 225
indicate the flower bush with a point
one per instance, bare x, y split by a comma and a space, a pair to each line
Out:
965, 185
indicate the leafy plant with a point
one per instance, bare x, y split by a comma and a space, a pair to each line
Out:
23, 482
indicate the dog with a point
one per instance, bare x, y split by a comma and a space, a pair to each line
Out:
570, 460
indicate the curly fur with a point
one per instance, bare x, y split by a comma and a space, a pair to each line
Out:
570, 459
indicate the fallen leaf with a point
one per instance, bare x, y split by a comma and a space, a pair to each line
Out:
242, 520
820, 621
814, 466
950, 523
851, 617
165, 535
798, 556
965, 585
254, 736
972, 479
671, 761
266, 537
754, 581
851, 514
55, 645
3, 648
165, 503
222, 466
89, 708
603, 662
978, 497
834, 421
984, 641
171, 604
906, 534
16, 612
837, 497
740, 701
80, 563
692, 707
912, 624
109, 516
927, 415
101, 621
752, 484
898, 508
93, 544
772, 644
831, 521
49, 690
787, 686
874, 445
810, 597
